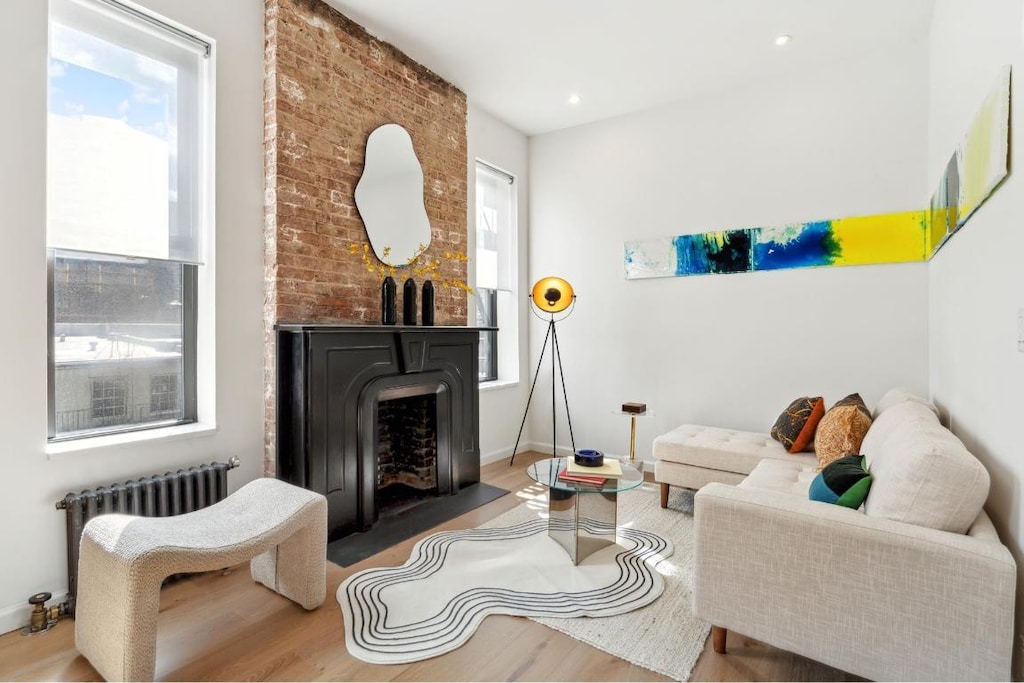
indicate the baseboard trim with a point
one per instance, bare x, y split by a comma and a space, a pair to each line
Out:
495, 456
562, 451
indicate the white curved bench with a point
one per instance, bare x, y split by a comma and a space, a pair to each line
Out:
281, 528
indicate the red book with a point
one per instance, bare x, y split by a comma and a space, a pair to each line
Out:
582, 478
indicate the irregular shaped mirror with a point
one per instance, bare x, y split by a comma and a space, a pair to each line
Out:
389, 197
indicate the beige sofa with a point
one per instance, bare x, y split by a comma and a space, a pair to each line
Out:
914, 586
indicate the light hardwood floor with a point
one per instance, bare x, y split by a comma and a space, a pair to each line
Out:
222, 626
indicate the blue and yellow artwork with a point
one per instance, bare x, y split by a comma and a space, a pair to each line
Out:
976, 167
973, 172
860, 240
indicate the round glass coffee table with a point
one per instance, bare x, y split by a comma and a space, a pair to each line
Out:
582, 517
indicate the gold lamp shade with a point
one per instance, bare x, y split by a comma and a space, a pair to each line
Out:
552, 294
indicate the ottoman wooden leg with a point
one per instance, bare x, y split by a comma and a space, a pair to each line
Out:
718, 635
664, 495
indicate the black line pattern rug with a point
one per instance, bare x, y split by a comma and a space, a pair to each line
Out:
454, 579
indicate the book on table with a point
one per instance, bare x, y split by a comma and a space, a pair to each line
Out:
590, 479
610, 468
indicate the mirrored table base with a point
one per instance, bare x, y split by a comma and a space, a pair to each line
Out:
582, 523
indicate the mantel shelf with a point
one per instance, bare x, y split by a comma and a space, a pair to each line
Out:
356, 327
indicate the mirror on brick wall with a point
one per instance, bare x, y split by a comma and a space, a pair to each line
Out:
389, 197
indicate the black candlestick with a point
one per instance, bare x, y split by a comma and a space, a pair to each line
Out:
409, 302
388, 296
428, 303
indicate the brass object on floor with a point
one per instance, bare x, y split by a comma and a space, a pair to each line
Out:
42, 618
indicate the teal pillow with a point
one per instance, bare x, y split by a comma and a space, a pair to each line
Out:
845, 482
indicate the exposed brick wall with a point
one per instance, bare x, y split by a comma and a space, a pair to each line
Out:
328, 84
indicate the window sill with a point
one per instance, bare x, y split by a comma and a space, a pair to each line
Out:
498, 384
173, 433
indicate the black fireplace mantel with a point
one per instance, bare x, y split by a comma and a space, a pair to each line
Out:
329, 378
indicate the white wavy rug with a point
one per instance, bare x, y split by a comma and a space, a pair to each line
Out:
664, 636
452, 580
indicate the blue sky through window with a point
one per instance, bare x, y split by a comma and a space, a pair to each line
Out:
92, 77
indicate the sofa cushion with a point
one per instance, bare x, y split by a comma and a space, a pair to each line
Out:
843, 482
841, 430
715, 448
898, 417
899, 395
922, 473
795, 427
791, 475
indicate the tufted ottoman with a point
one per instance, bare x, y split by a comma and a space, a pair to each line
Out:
693, 455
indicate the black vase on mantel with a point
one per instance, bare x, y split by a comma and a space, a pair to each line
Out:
388, 297
409, 302
428, 303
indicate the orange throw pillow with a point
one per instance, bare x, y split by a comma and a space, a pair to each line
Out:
796, 426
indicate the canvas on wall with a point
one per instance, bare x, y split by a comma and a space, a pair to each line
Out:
973, 172
880, 238
975, 168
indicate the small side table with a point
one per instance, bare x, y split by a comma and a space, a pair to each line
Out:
582, 518
632, 436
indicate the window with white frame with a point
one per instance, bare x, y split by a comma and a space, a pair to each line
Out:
127, 130
496, 273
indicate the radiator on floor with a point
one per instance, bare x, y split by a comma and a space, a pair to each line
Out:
160, 495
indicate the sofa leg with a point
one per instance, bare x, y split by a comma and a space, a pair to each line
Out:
664, 495
718, 639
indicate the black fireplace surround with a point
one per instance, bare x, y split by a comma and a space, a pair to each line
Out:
330, 380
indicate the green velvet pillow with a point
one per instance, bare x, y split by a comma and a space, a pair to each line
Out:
845, 482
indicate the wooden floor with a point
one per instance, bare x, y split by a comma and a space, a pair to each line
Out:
224, 627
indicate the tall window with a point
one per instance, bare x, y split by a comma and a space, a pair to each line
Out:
496, 273
126, 123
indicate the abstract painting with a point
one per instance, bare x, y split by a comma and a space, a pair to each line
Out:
976, 168
882, 238
972, 173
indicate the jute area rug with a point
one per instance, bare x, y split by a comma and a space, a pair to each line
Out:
631, 600
664, 636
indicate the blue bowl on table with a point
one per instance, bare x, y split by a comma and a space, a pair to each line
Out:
589, 458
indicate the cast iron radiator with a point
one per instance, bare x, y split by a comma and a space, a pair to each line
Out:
160, 495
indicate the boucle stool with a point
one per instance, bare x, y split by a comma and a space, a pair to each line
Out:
124, 559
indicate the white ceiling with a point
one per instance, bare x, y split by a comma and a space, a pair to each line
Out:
521, 59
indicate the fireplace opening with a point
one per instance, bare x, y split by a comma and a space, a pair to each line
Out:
407, 449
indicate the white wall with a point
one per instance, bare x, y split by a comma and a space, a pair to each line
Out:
976, 282
732, 350
33, 536
501, 404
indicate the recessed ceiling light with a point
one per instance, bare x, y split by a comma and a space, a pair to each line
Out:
784, 39
574, 99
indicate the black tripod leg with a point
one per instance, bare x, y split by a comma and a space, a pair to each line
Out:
533, 386
565, 396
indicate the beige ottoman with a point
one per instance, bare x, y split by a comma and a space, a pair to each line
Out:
693, 455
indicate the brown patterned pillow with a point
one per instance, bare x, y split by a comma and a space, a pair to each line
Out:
842, 430
795, 427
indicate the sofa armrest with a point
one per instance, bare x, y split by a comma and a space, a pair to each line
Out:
874, 597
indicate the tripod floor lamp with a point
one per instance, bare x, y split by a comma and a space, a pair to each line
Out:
551, 296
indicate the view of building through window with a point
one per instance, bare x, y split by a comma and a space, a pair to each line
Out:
118, 342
